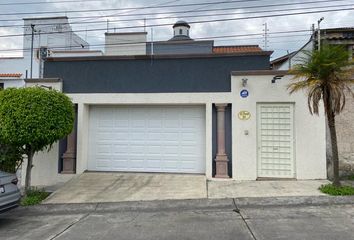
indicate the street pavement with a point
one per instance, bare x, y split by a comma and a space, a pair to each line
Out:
286, 218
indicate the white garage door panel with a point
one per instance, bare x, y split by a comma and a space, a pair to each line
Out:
147, 139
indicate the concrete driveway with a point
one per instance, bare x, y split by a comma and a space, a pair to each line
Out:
93, 187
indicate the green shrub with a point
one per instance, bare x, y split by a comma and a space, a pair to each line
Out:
337, 191
10, 158
33, 119
34, 196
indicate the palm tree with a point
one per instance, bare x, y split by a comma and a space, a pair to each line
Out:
327, 76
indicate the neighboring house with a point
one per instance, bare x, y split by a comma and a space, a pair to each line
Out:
53, 36
344, 122
12, 72
135, 43
222, 114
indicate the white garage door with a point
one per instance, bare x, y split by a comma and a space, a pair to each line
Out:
275, 140
147, 139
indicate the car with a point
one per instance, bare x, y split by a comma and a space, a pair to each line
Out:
10, 195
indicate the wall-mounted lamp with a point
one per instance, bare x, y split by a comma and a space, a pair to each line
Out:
244, 82
47, 87
277, 77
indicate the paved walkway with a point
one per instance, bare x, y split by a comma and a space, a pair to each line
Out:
279, 188
95, 187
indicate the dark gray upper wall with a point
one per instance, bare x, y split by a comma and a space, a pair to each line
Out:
181, 47
144, 75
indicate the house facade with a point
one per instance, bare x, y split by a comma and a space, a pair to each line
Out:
344, 121
180, 106
221, 115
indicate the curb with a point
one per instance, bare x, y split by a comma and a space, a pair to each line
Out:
294, 201
184, 205
146, 206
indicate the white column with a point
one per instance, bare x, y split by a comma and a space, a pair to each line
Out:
209, 140
82, 137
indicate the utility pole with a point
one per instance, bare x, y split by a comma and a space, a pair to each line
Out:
152, 47
152, 42
265, 36
144, 24
319, 33
32, 28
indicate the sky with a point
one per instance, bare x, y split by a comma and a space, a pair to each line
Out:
160, 12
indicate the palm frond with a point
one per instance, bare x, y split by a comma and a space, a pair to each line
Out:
326, 75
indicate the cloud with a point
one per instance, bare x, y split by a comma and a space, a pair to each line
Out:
279, 43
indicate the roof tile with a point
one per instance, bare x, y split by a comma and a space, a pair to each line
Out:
236, 49
9, 75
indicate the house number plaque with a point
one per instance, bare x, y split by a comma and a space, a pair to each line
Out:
244, 115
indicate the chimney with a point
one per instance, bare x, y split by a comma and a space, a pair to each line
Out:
125, 44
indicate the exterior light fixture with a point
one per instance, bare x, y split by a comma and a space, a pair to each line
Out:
244, 82
277, 77
47, 87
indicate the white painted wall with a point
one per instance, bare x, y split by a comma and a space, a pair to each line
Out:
9, 83
88, 53
297, 58
45, 169
125, 44
177, 31
310, 146
310, 140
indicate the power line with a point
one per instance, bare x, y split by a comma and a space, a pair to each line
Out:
200, 38
172, 12
47, 2
131, 8
217, 9
207, 10
157, 4
191, 22
221, 14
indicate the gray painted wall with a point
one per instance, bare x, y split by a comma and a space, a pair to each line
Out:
144, 75
177, 47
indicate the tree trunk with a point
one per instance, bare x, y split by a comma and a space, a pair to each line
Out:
30, 154
335, 158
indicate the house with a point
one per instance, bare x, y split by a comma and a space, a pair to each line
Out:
344, 121
221, 113
52, 36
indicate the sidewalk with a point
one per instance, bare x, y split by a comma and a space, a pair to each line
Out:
185, 205
278, 188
